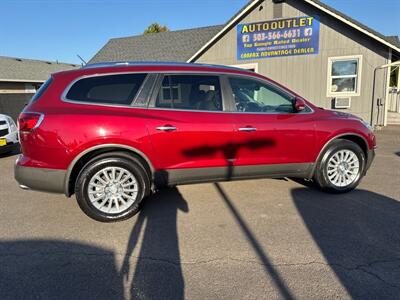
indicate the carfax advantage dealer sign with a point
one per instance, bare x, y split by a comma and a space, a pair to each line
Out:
284, 37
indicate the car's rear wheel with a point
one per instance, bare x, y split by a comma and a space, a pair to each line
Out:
111, 187
341, 167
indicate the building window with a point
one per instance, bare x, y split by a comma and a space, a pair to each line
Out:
175, 90
344, 76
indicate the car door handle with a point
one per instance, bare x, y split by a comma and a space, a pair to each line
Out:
247, 129
166, 128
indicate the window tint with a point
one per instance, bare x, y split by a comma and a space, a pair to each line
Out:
193, 92
110, 89
41, 90
254, 96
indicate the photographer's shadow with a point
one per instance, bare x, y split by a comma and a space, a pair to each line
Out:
359, 235
158, 272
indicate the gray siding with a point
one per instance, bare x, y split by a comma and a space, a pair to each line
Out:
307, 74
13, 104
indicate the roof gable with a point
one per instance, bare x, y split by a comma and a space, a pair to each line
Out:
251, 5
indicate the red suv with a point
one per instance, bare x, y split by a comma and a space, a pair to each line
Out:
112, 133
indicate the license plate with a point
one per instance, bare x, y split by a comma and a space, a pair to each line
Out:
3, 142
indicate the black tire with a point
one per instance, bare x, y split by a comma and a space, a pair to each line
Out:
321, 170
114, 159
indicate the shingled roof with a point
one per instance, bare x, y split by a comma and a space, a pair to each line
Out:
177, 45
394, 39
29, 70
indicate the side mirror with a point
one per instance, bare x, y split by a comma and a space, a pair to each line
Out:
299, 104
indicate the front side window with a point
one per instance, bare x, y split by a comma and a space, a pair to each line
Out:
118, 89
191, 92
255, 96
344, 76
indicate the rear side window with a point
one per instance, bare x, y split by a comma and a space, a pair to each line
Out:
41, 90
192, 92
110, 89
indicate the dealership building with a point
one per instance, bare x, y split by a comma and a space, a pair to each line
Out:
327, 57
20, 78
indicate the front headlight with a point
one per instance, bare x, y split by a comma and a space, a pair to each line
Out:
12, 125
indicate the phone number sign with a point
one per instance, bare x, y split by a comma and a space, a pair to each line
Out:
283, 37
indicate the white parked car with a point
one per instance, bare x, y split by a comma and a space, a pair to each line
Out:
8, 134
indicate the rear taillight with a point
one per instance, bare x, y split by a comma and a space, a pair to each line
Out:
29, 121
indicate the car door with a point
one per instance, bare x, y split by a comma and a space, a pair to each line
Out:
189, 130
268, 130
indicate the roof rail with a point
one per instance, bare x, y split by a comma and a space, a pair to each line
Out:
129, 63
154, 63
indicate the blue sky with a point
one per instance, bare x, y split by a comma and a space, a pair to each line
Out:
60, 29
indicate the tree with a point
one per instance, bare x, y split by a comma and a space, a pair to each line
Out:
155, 28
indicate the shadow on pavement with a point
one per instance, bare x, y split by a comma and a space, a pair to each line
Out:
358, 234
51, 269
158, 272
258, 249
13, 150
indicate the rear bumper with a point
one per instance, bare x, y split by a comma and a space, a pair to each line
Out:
46, 180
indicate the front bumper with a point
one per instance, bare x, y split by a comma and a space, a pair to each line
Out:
370, 159
12, 142
46, 180
8, 148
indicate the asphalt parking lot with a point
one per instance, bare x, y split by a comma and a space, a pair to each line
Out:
258, 239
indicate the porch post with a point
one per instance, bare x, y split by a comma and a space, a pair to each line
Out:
398, 90
385, 117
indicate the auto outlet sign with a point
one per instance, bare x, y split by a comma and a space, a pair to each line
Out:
283, 37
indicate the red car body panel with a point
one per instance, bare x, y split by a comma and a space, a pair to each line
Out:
203, 139
279, 139
194, 144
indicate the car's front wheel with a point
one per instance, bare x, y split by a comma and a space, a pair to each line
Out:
111, 187
341, 167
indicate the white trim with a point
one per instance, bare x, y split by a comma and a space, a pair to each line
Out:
398, 77
344, 20
249, 7
311, 2
393, 64
22, 80
5, 91
247, 66
387, 86
329, 77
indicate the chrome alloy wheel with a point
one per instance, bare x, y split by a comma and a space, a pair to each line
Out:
113, 190
343, 168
